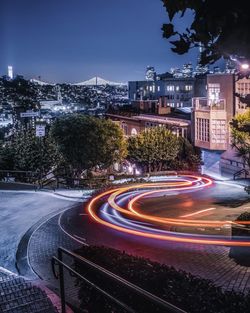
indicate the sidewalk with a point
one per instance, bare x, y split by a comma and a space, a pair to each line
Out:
75, 194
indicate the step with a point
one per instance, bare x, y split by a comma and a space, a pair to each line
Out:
10, 289
12, 294
22, 298
11, 281
18, 295
38, 306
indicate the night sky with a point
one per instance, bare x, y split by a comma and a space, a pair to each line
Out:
73, 40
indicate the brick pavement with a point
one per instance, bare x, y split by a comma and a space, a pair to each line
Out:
210, 262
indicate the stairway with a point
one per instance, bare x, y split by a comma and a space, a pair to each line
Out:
20, 296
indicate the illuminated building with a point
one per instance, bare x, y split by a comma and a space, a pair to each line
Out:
132, 125
178, 92
10, 72
211, 121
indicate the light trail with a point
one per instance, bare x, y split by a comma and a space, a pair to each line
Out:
198, 212
119, 213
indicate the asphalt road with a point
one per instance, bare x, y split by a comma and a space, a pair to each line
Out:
226, 202
208, 261
19, 211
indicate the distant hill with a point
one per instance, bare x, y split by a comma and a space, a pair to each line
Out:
98, 81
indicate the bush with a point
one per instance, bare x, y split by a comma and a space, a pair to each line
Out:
182, 289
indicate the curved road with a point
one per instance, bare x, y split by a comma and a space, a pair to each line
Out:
209, 261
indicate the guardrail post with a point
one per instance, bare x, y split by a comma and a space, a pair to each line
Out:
61, 281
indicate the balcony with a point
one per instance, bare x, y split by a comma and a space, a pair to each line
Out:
204, 104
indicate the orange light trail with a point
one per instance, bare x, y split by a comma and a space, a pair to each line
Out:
183, 183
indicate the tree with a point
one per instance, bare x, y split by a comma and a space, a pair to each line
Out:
7, 155
34, 154
188, 158
88, 142
153, 148
220, 27
240, 130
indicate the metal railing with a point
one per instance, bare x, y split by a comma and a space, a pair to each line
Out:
109, 276
19, 176
242, 171
208, 105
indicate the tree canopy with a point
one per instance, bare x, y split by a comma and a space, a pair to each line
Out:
220, 27
29, 153
240, 129
87, 142
153, 148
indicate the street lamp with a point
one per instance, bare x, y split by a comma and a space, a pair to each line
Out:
245, 66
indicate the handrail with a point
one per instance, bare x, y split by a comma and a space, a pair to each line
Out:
153, 298
243, 170
71, 270
17, 171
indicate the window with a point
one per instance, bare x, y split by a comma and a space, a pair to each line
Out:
133, 132
170, 88
213, 92
177, 88
188, 87
125, 128
202, 129
218, 131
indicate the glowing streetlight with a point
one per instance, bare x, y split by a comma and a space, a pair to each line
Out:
245, 66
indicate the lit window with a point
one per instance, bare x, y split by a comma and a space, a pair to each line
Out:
188, 87
133, 132
170, 88
214, 92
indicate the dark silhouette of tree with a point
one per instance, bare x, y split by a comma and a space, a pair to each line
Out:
220, 27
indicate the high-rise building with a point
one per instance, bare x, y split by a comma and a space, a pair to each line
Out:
10, 72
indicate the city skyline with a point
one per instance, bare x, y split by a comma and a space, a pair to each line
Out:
62, 42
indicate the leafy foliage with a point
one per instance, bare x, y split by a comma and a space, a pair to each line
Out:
221, 27
7, 154
154, 148
88, 142
240, 129
29, 153
188, 158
